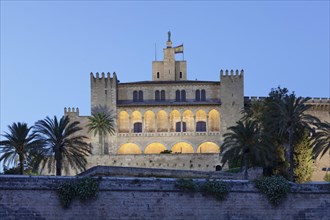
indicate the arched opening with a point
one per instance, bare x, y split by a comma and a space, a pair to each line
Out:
188, 119
123, 122
129, 148
154, 148
182, 147
136, 119
157, 97
214, 120
198, 95
174, 118
140, 96
200, 121
183, 95
162, 96
135, 96
203, 95
208, 148
162, 121
149, 121
177, 96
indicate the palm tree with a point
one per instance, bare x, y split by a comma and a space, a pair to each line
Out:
244, 141
19, 142
63, 143
322, 139
292, 116
101, 123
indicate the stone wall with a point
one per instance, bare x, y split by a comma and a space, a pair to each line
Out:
198, 162
202, 162
125, 90
151, 198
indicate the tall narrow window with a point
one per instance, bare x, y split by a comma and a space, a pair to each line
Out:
177, 96
183, 95
197, 95
201, 126
137, 127
157, 75
135, 96
180, 75
178, 127
162, 95
203, 95
140, 96
184, 126
157, 95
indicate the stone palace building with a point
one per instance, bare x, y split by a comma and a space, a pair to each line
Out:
171, 112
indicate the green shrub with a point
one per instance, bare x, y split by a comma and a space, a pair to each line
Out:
186, 184
83, 189
327, 177
219, 189
233, 170
276, 188
166, 152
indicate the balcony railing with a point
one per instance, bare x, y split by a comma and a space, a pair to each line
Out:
169, 134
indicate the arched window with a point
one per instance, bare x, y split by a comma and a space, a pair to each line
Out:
203, 95
140, 96
157, 95
162, 95
201, 126
135, 96
198, 95
177, 96
157, 75
137, 127
183, 95
180, 75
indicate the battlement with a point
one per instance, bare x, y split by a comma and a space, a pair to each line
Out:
318, 100
103, 76
71, 111
231, 73
315, 100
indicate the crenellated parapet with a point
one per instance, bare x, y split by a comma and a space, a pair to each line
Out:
71, 111
319, 104
322, 104
233, 73
103, 78
319, 100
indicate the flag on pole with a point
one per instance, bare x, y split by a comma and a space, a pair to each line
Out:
178, 49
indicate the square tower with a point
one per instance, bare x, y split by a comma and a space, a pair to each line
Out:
169, 69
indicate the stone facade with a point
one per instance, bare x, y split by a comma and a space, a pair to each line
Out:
155, 198
169, 113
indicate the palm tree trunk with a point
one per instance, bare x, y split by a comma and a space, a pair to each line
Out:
101, 144
291, 140
58, 158
246, 161
21, 165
